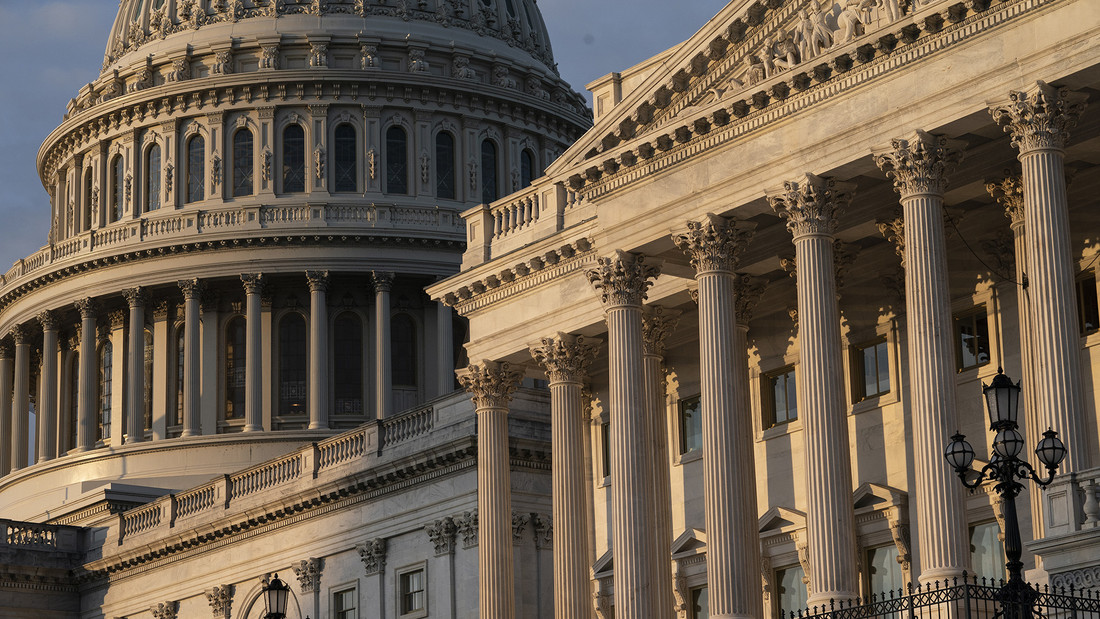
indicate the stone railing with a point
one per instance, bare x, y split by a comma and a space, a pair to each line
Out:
519, 219
264, 476
407, 426
1073, 503
188, 225
341, 449
27, 537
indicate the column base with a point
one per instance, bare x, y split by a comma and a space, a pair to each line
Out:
318, 426
941, 575
187, 433
253, 429
731, 616
828, 598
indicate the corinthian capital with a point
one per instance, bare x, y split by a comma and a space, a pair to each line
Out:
491, 384
20, 334
318, 280
920, 164
48, 320
1009, 192
192, 288
565, 357
86, 307
135, 297
622, 280
657, 324
747, 291
811, 204
383, 281
714, 244
1039, 118
253, 282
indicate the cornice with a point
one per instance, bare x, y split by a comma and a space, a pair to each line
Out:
830, 75
313, 502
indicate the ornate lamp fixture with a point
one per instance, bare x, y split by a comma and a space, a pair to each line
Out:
276, 596
1002, 401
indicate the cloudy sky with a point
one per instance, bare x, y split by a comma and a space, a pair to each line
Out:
50, 48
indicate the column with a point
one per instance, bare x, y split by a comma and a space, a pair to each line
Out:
1009, 192
657, 324
919, 166
747, 292
444, 346
7, 366
491, 386
86, 383
733, 553
192, 294
20, 408
622, 282
383, 398
566, 359
1039, 121
253, 378
47, 404
135, 370
811, 205
318, 350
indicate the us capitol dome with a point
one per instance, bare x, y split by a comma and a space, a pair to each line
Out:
246, 205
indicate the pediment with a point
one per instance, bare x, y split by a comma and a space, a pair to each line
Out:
875, 496
603, 566
690, 542
752, 56
778, 519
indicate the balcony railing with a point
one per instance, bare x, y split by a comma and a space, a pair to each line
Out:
964, 598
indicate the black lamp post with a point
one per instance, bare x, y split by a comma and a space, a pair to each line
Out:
276, 596
1002, 400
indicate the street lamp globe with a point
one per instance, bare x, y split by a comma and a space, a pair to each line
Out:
1008, 443
959, 453
276, 595
1002, 400
1050, 451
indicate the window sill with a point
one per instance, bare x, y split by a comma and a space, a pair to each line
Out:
692, 456
1090, 339
782, 429
874, 402
984, 371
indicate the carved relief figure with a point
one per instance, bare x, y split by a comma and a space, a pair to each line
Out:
849, 21
535, 89
318, 55
754, 70
417, 64
368, 57
179, 71
319, 162
892, 8
501, 77
223, 63
461, 68
270, 57
371, 169
786, 52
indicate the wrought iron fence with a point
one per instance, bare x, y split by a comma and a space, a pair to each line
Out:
965, 598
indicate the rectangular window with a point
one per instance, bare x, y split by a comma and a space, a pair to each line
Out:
343, 604
986, 555
412, 592
691, 425
971, 339
883, 571
698, 607
1088, 310
779, 397
791, 590
870, 370
605, 448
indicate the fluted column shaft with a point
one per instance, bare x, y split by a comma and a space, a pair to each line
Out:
657, 323
318, 350
383, 369
192, 356
253, 379
623, 281
135, 383
811, 206
7, 366
86, 384
492, 385
918, 166
47, 404
20, 399
445, 348
565, 360
1039, 121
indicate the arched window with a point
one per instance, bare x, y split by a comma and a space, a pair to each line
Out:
235, 360
397, 168
148, 370
444, 165
152, 178
180, 350
403, 350
348, 364
103, 392
293, 364
526, 168
345, 159
83, 220
294, 159
242, 163
488, 172
196, 169
118, 188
